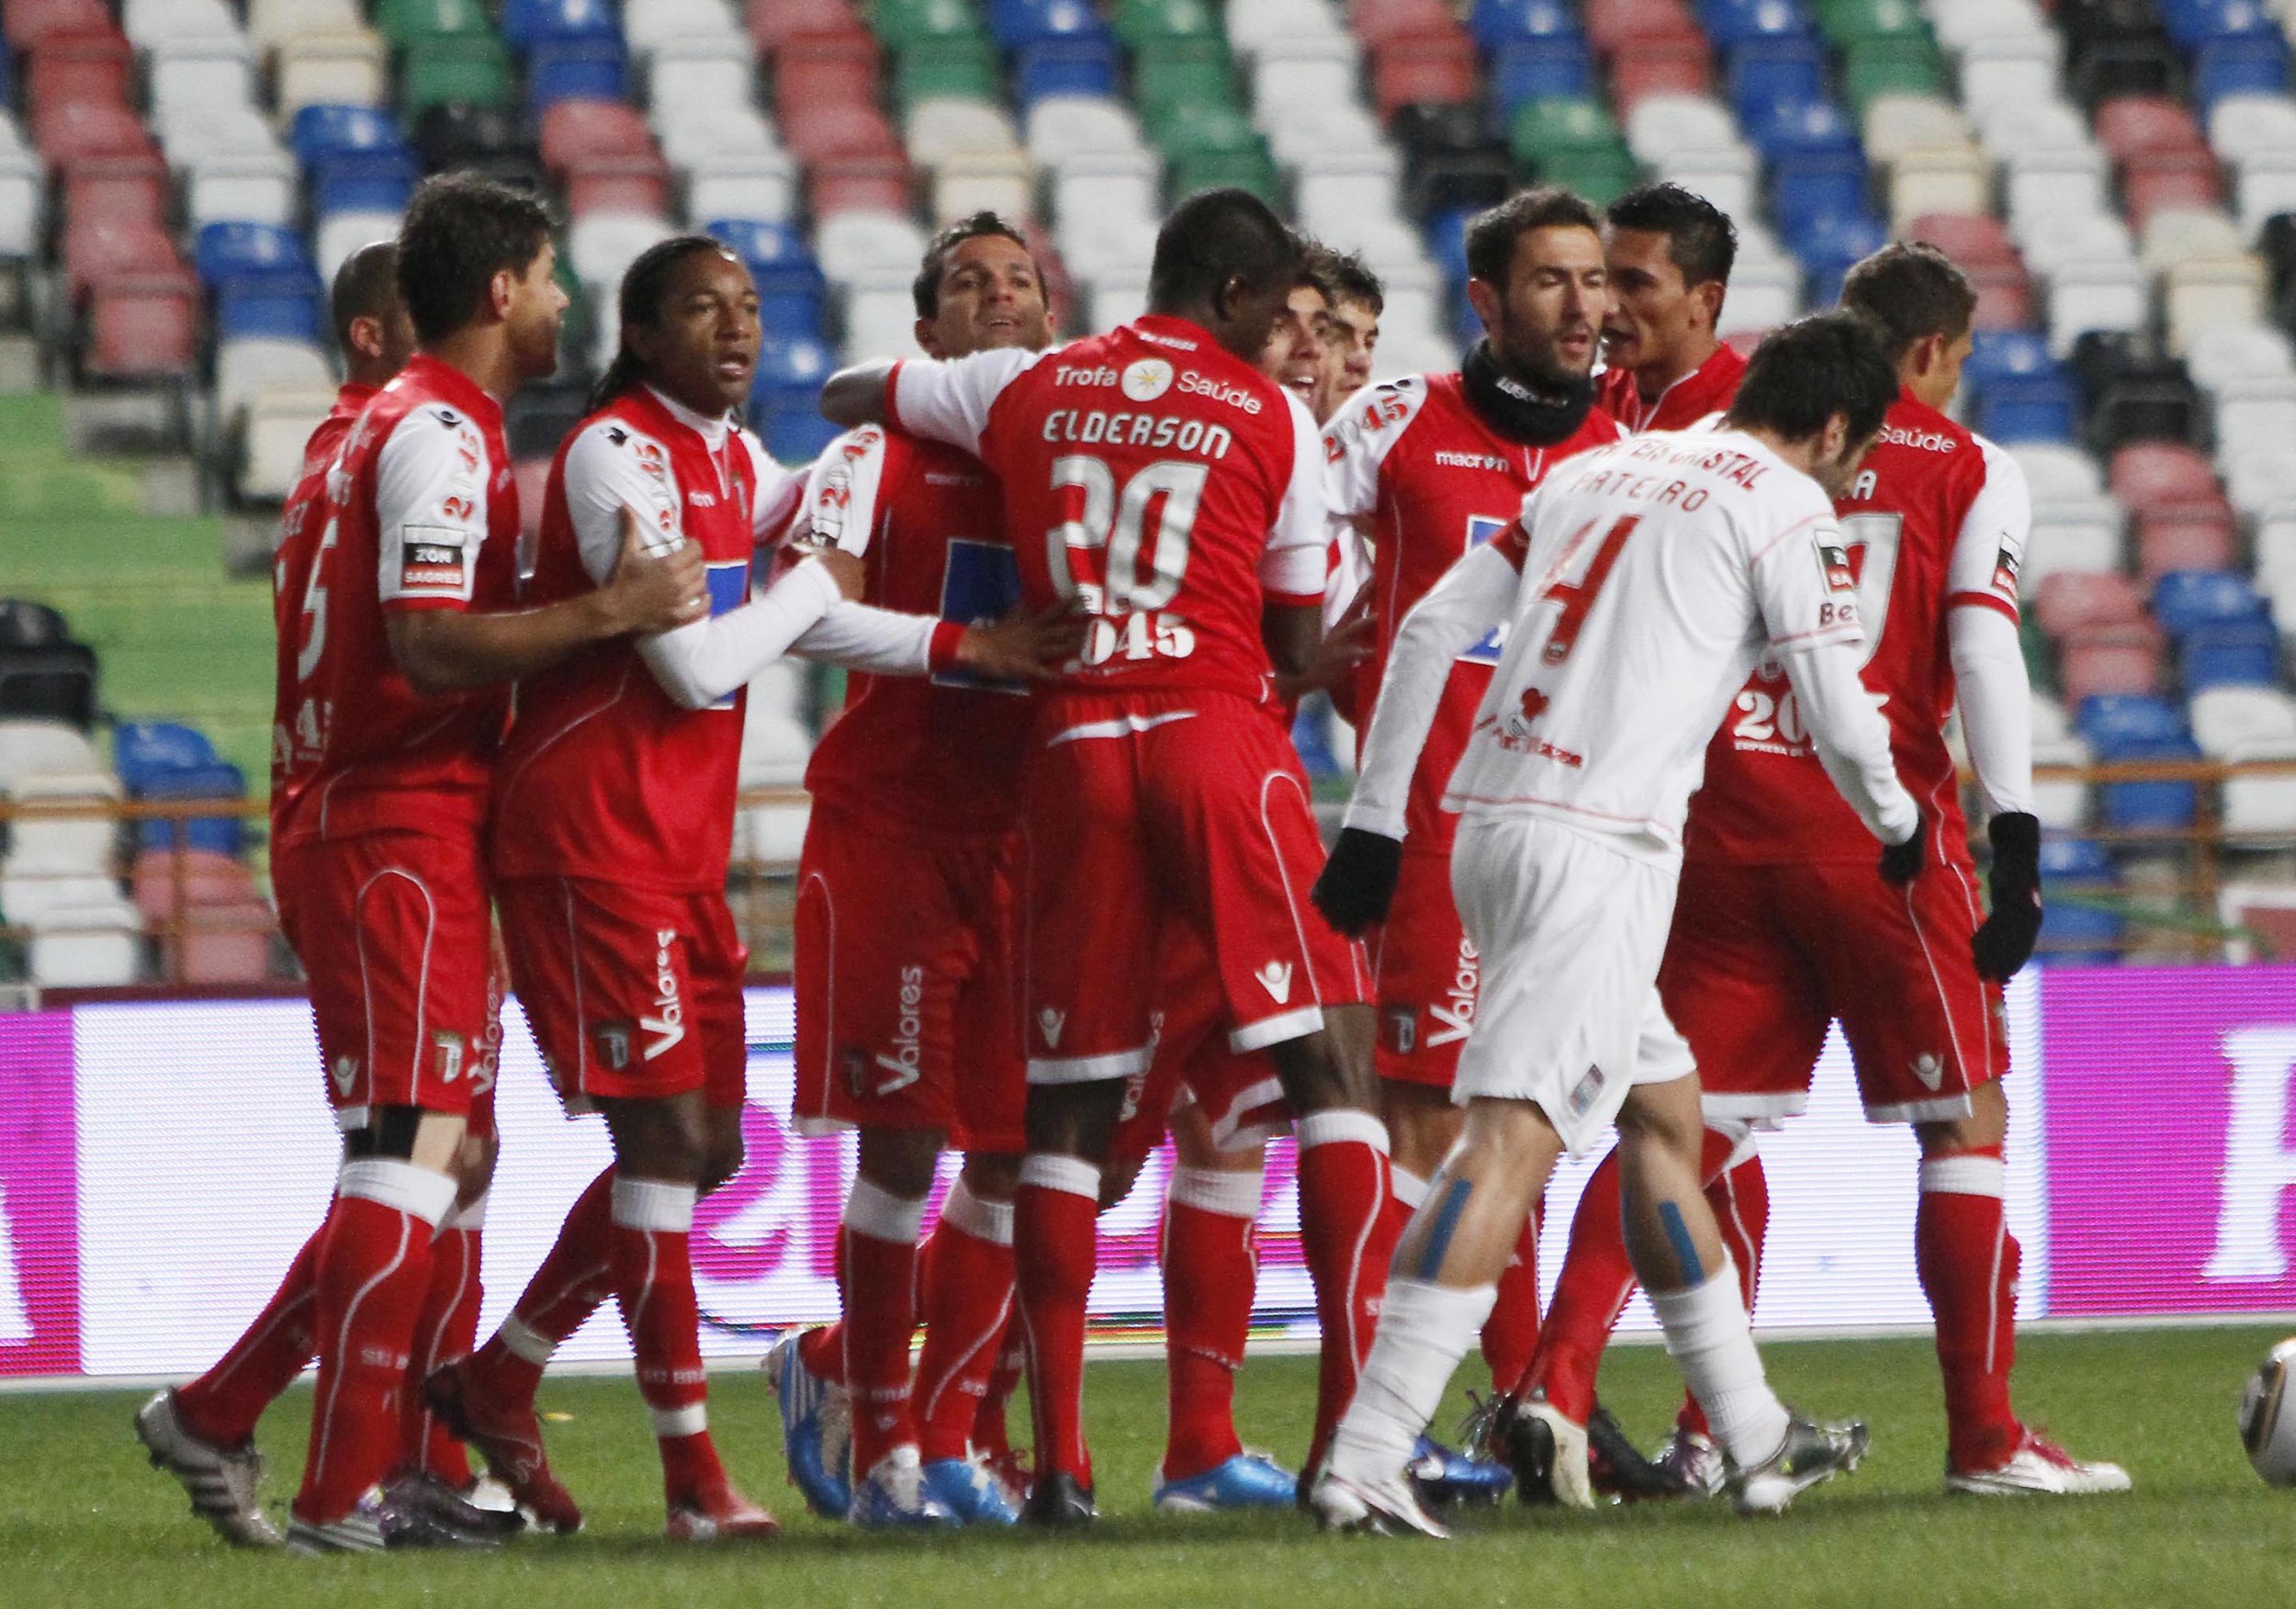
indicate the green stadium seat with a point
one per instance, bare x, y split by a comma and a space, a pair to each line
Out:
1142, 22
1246, 168
460, 69
1185, 131
949, 68
403, 22
1846, 21
1554, 126
1182, 75
1900, 65
1601, 175
900, 24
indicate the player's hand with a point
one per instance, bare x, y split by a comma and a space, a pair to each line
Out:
1358, 881
1901, 864
2005, 942
1022, 647
653, 591
1343, 648
845, 569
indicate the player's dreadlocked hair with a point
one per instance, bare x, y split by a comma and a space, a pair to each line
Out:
460, 231
643, 288
925, 291
1812, 369
1910, 290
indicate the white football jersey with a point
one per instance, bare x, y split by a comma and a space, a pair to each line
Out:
1643, 583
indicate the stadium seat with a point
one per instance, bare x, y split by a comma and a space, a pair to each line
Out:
2188, 601
2079, 923
2227, 720
2069, 601
455, 70
231, 251
286, 305
53, 681
2099, 661
2230, 656
245, 368
220, 835
142, 328
48, 845
24, 624
93, 66
575, 69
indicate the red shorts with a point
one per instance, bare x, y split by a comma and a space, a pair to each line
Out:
393, 932
632, 995
1149, 814
907, 1014
1239, 1094
1761, 958
1425, 973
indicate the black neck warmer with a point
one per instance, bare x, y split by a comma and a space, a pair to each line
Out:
1538, 418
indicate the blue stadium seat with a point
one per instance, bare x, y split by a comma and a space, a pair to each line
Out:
220, 835
796, 434
1019, 23
144, 749
1830, 248
1527, 70
1080, 64
232, 250
2190, 601
762, 245
375, 182
1787, 128
2107, 719
527, 23
1311, 735
1446, 242
2132, 726
2022, 393
2239, 66
577, 69
321, 133
1810, 189
791, 289
1785, 67
2231, 655
1496, 23
280, 306
790, 373
1731, 23
2194, 23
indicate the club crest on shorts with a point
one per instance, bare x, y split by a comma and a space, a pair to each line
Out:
611, 1041
1050, 1023
855, 1062
1276, 978
450, 1048
346, 1070
1929, 1067
1403, 1031
1584, 1093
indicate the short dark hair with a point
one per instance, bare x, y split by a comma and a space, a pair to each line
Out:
925, 291
460, 231
1812, 369
366, 287
1318, 267
1215, 236
1492, 234
1910, 291
644, 286
1353, 280
1700, 237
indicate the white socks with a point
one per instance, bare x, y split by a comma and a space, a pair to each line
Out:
1424, 1330
1712, 1343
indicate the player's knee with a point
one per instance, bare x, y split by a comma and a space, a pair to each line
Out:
1116, 1179
1073, 1119
900, 1161
992, 1176
1665, 1115
474, 1166
723, 1154
1985, 1124
1319, 1072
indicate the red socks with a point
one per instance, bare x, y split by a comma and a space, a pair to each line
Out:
1053, 1255
1968, 1262
222, 1405
446, 1329
372, 1273
1511, 1334
877, 1291
965, 1277
650, 1257
1210, 1272
574, 1278
991, 1435
1347, 1233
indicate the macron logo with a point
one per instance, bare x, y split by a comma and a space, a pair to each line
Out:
1052, 1022
1276, 978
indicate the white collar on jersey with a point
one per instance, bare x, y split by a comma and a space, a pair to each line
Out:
712, 429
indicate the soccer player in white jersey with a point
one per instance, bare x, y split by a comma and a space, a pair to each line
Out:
1640, 587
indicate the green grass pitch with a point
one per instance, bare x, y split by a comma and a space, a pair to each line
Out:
85, 1522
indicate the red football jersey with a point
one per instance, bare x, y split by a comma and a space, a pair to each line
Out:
938, 753
603, 775
419, 512
1154, 479
1708, 389
1426, 479
1937, 519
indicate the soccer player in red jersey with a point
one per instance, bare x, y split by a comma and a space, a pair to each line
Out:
393, 689
1427, 467
1777, 935
1670, 254
1158, 483
906, 1026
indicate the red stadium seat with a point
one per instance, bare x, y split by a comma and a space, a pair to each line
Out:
108, 249
840, 131
202, 875
124, 190
1432, 69
143, 326
75, 129
68, 67
2109, 658
2130, 124
2005, 295
2152, 180
1659, 67
860, 184
575, 132
813, 72
1744, 342
2186, 536
2146, 475
28, 22
1612, 25
2069, 602
1969, 239
1376, 22
773, 22
618, 183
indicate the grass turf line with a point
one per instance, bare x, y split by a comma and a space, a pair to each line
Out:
84, 1522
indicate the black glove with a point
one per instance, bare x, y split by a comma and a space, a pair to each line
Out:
1358, 881
2005, 940
1901, 864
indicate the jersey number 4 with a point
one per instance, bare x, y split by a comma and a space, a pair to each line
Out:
1578, 597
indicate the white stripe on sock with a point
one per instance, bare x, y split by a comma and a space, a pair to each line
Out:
877, 1212
985, 1221
1335, 1125
1231, 1195
1966, 1175
1049, 1171
656, 1206
392, 1183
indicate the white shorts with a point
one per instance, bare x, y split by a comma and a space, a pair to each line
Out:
1571, 933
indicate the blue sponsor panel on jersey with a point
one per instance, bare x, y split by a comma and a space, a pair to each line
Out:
1481, 528
729, 587
981, 584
